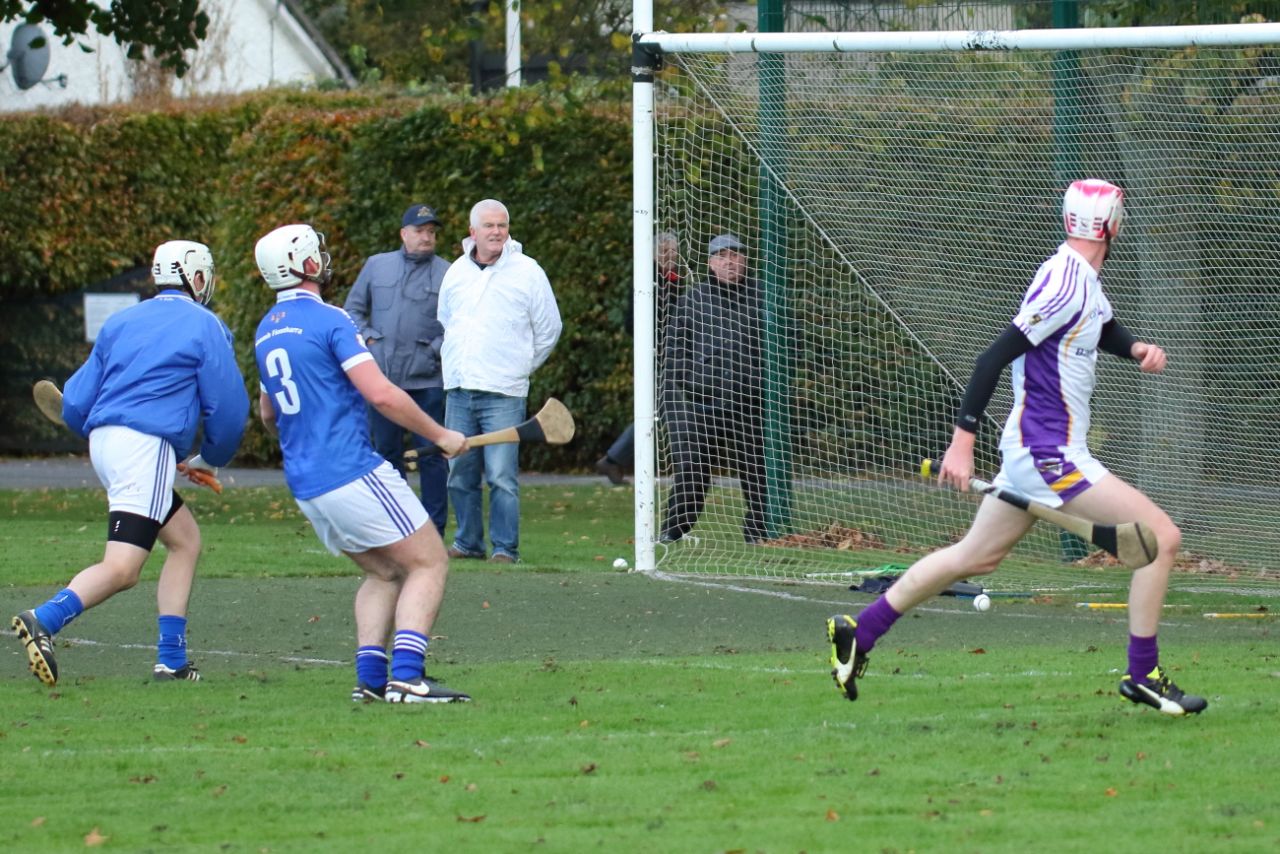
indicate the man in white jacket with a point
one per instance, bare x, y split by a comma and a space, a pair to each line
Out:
500, 322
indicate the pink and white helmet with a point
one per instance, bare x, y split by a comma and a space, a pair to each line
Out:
1092, 209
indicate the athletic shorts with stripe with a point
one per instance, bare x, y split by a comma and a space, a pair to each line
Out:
372, 511
1051, 475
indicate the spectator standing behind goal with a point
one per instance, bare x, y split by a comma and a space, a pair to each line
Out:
712, 375
500, 322
1052, 344
158, 371
666, 270
316, 376
393, 303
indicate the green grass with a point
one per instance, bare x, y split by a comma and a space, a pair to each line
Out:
612, 711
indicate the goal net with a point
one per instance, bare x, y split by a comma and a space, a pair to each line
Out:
895, 202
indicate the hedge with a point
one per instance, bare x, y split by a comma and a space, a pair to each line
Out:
88, 195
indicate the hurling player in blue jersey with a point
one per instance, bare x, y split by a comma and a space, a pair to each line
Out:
1052, 346
158, 371
316, 376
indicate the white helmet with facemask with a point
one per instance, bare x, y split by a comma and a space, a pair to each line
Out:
177, 262
283, 253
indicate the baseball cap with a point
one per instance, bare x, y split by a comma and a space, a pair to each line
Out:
419, 215
723, 242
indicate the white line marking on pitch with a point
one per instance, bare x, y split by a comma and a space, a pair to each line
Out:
292, 659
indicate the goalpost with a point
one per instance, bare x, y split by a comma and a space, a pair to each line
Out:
895, 192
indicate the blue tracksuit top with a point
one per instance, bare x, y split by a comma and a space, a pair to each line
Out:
163, 367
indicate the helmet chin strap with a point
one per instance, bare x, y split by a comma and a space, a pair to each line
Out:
322, 278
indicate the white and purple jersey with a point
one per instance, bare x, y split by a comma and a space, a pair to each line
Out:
304, 349
1062, 316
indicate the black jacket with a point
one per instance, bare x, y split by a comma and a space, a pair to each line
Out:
712, 348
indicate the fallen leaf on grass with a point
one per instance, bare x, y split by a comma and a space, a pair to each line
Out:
38, 821
94, 838
475, 819
421, 743
832, 815
1110, 792
722, 742
589, 768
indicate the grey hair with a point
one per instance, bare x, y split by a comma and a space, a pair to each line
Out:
484, 205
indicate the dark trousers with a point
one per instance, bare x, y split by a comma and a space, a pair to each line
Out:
433, 469
701, 441
623, 449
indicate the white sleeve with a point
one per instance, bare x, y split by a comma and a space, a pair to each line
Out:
1052, 301
544, 318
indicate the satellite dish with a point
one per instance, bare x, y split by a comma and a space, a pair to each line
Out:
28, 55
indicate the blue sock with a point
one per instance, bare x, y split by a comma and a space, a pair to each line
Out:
875, 619
64, 607
408, 655
371, 666
171, 651
1144, 657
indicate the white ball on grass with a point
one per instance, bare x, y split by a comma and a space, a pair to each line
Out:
620, 563
982, 602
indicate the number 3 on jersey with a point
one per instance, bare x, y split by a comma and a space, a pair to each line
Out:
287, 399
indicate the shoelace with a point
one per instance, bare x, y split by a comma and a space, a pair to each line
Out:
1165, 687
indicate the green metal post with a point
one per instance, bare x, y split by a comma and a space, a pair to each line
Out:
773, 263
1067, 165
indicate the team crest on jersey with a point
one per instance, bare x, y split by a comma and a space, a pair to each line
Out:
1050, 465
277, 316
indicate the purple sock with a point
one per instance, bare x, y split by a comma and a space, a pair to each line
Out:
1144, 656
875, 619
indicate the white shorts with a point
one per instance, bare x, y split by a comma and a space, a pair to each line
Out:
138, 470
1050, 475
369, 512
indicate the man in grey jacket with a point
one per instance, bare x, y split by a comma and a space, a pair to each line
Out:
393, 302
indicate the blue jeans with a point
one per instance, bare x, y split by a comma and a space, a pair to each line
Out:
433, 469
472, 413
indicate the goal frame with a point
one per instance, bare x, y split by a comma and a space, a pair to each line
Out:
648, 49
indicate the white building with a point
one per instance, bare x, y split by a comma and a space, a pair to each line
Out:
251, 44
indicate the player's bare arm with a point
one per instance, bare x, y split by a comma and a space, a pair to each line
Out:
267, 413
957, 462
395, 404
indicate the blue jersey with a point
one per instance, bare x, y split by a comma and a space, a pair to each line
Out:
163, 367
304, 350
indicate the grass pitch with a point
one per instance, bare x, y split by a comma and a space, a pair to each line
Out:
612, 710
